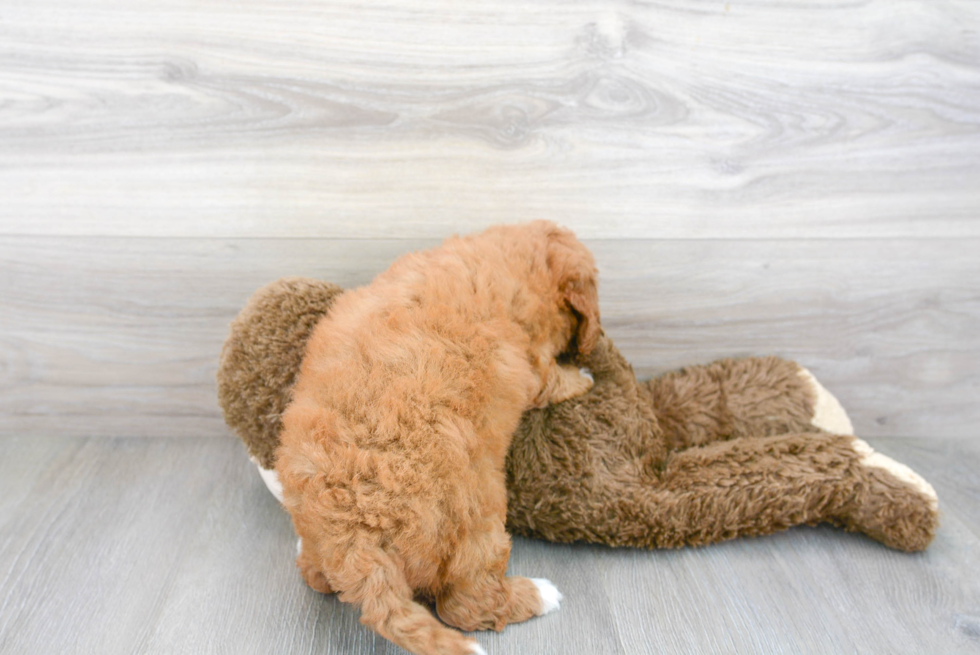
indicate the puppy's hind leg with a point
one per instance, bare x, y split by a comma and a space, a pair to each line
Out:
480, 595
309, 567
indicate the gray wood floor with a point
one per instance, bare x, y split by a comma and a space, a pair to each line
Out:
169, 546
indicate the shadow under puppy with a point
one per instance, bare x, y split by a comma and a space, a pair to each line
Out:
393, 446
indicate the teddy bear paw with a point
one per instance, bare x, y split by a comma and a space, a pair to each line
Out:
271, 479
828, 414
871, 457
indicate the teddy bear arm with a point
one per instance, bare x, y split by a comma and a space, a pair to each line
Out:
751, 397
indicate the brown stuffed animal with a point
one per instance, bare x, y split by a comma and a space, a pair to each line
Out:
708, 453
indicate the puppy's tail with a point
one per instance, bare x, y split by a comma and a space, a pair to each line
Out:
387, 606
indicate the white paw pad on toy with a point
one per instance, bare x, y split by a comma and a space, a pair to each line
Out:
828, 414
550, 596
271, 479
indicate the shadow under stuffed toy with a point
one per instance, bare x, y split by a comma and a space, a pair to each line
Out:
735, 448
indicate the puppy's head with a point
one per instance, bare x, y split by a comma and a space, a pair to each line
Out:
574, 273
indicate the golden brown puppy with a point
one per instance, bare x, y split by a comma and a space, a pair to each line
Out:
392, 451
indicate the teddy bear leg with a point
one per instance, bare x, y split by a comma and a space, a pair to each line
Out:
759, 486
889, 501
751, 487
752, 397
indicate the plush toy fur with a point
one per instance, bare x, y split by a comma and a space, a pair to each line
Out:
709, 453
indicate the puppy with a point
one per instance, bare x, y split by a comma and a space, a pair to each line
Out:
392, 450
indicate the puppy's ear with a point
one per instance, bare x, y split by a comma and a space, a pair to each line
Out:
583, 299
574, 271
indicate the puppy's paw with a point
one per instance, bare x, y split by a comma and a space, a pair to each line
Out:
828, 414
870, 457
578, 381
550, 596
564, 382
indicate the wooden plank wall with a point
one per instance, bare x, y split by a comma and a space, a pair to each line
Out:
754, 178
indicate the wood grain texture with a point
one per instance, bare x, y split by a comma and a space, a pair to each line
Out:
810, 590
410, 119
120, 336
140, 546
815, 590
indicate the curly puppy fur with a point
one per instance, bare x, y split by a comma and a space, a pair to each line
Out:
392, 450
